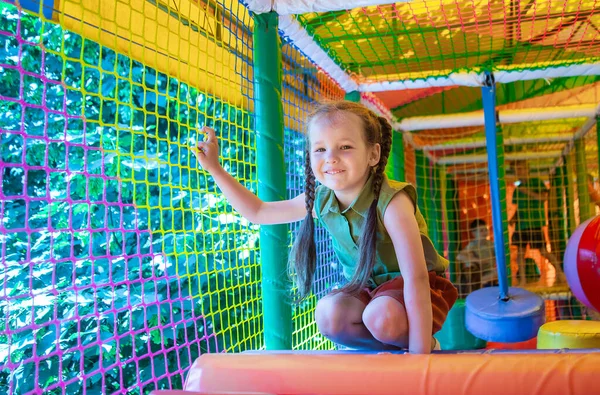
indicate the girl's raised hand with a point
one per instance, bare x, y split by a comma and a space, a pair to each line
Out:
207, 151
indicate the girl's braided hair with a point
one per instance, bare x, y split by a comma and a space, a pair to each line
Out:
377, 130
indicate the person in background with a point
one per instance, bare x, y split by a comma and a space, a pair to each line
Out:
530, 218
594, 193
478, 260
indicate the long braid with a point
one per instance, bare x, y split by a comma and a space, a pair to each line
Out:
310, 183
368, 242
304, 252
386, 147
303, 257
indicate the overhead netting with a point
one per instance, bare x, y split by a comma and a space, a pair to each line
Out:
514, 95
419, 39
121, 261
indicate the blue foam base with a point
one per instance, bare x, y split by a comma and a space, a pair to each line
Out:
515, 320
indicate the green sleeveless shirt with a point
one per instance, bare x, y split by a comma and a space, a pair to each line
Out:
345, 228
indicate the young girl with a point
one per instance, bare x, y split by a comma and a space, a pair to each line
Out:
395, 297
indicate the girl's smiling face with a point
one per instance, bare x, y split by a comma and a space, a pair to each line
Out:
339, 155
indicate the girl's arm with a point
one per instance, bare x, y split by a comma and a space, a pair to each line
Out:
243, 201
400, 221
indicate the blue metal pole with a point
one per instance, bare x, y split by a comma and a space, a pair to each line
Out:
488, 92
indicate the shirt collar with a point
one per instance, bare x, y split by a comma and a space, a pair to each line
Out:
360, 205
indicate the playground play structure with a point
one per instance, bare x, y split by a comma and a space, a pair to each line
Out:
124, 270
569, 366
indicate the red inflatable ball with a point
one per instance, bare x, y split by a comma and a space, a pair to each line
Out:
582, 263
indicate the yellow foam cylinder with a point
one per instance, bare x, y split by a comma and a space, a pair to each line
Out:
569, 334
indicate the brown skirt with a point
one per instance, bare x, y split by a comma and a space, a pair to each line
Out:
443, 296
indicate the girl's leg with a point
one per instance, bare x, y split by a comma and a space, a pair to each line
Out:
340, 318
385, 318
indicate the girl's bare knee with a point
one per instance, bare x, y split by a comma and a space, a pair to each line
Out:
335, 313
324, 317
386, 319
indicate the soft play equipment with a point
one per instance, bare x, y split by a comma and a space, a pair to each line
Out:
294, 373
573, 369
454, 335
569, 334
515, 319
582, 266
582, 270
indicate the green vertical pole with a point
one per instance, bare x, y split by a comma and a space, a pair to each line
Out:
452, 215
442, 204
421, 177
268, 70
425, 195
389, 167
399, 172
436, 188
598, 141
568, 178
570, 307
582, 191
560, 215
502, 183
558, 236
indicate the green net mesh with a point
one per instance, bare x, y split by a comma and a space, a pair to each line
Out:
304, 84
121, 261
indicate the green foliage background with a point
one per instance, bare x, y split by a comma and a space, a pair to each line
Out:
120, 262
